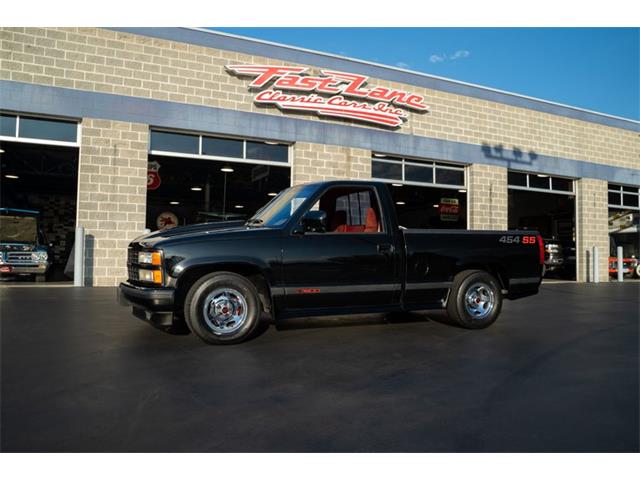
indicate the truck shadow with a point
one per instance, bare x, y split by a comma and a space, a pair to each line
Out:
338, 321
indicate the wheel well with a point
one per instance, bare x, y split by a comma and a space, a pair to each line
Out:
493, 269
250, 272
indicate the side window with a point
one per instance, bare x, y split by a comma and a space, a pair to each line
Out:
351, 210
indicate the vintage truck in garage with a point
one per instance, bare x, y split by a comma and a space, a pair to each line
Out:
24, 250
323, 248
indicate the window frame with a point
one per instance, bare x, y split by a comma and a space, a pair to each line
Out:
433, 165
201, 156
383, 220
618, 188
41, 141
548, 178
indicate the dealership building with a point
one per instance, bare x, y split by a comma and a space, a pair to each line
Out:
119, 130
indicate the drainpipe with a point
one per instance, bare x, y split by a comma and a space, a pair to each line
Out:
596, 265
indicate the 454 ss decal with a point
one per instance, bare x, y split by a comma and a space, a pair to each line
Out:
524, 239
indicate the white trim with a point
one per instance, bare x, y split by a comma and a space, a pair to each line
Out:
541, 190
413, 72
623, 207
37, 141
195, 156
17, 126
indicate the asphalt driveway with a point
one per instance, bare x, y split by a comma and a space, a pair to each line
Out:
557, 372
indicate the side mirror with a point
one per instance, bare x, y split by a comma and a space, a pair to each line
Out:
314, 221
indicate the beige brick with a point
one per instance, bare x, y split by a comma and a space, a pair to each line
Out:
110, 216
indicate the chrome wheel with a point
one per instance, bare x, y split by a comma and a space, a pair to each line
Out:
479, 300
225, 311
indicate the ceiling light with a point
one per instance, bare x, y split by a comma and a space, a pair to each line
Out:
226, 169
196, 189
435, 205
396, 184
174, 203
400, 203
272, 194
462, 190
1, 150
12, 177
379, 155
542, 175
239, 206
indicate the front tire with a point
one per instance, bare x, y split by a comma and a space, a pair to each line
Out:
222, 308
475, 299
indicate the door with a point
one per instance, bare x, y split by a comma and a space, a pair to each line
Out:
351, 264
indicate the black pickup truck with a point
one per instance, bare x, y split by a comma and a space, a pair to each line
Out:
324, 248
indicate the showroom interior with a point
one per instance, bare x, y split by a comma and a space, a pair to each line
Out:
150, 129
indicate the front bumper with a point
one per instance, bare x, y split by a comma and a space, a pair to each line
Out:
24, 269
154, 305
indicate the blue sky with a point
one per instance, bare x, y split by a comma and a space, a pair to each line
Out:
593, 68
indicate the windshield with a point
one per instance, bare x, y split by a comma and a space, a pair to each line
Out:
278, 211
18, 229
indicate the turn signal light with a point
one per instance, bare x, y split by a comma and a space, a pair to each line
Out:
151, 276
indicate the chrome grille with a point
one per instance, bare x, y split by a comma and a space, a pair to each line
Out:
132, 264
19, 257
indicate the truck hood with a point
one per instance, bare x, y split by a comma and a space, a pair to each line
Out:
20, 247
190, 231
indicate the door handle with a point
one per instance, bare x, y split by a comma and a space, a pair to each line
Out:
385, 248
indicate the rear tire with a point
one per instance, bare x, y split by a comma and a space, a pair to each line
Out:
475, 299
222, 308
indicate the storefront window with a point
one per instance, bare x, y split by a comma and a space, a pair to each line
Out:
57, 130
218, 148
416, 171
539, 181
8, 125
222, 147
174, 142
449, 177
266, 151
392, 171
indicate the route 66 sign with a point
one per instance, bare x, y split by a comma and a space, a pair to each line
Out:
153, 176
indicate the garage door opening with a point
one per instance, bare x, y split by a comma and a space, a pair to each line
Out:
38, 211
195, 178
547, 204
426, 194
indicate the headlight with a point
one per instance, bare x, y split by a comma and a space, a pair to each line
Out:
39, 256
150, 258
151, 276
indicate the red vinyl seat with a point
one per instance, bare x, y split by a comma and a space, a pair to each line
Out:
371, 224
338, 223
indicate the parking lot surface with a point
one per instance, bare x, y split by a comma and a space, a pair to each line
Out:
557, 372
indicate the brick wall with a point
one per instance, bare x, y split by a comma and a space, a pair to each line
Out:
487, 197
121, 63
591, 227
112, 195
314, 162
